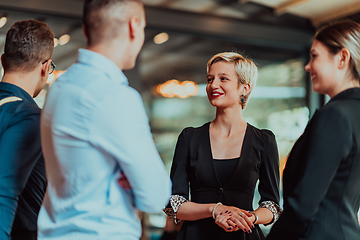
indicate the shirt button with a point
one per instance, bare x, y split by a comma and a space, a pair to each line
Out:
220, 190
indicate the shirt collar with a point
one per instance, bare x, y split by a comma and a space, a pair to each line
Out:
15, 90
102, 63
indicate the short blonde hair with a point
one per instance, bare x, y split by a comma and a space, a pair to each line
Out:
246, 70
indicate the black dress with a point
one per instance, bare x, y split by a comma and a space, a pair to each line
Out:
193, 168
322, 176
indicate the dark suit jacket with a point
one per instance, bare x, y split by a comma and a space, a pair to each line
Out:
22, 168
321, 181
193, 163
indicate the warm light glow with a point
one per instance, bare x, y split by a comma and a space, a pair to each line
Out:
3, 21
161, 38
175, 88
54, 76
64, 39
56, 42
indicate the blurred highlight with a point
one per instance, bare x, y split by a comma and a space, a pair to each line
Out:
64, 39
161, 38
3, 21
54, 76
56, 42
175, 88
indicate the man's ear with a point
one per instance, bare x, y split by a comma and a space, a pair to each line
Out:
343, 58
2, 60
45, 68
133, 25
84, 30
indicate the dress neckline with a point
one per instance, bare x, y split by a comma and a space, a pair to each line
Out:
244, 144
227, 159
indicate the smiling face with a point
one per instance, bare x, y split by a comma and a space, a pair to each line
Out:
223, 88
323, 69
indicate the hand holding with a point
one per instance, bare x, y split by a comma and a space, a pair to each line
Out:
232, 219
123, 182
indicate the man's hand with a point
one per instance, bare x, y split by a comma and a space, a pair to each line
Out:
123, 182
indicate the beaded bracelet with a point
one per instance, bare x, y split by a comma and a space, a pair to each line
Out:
213, 211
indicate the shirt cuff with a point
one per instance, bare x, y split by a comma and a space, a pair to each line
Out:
175, 202
274, 208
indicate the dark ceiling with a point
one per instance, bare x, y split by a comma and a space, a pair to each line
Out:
197, 29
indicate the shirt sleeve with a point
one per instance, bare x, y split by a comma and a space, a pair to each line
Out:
20, 148
269, 175
121, 128
330, 141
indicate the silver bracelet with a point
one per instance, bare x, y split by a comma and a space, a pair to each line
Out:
256, 217
213, 211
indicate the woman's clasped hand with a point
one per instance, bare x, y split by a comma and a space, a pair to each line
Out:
233, 219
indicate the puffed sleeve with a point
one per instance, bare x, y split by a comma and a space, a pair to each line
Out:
329, 142
269, 175
179, 174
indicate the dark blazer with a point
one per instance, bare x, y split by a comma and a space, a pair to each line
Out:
22, 168
193, 164
321, 181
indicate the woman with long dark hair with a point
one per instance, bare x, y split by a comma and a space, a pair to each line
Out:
321, 178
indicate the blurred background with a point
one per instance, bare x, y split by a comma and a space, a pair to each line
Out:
181, 36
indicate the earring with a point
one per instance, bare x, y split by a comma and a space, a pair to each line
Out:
242, 99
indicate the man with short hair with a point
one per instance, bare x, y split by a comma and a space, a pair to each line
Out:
95, 131
27, 64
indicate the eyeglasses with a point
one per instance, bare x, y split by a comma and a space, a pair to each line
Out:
52, 66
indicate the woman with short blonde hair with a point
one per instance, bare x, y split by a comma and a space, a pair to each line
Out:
221, 162
246, 70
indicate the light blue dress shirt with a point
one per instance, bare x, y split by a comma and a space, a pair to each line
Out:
94, 127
